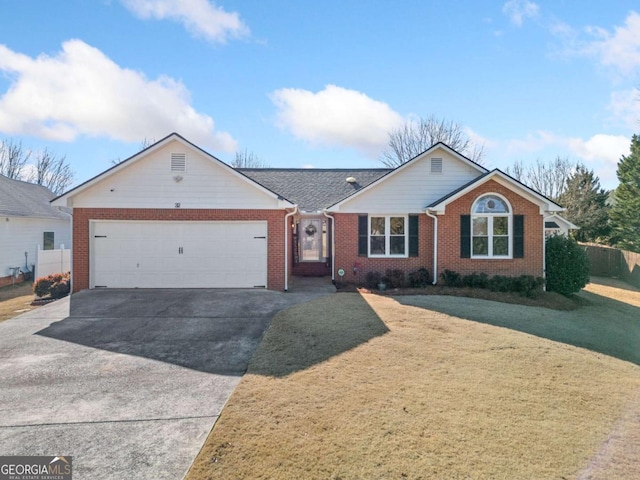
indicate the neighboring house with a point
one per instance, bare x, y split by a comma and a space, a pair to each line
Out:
175, 216
28, 221
557, 225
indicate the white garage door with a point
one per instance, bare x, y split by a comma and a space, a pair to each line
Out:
149, 254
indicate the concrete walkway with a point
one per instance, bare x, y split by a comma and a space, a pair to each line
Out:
128, 382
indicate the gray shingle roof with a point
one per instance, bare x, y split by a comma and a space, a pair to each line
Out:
313, 188
22, 199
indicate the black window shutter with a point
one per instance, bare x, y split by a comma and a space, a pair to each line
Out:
414, 220
465, 236
363, 235
518, 236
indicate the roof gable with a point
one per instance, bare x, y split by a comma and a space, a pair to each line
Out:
545, 204
440, 149
23, 199
149, 174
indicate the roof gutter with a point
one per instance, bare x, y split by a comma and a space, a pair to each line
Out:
286, 245
435, 246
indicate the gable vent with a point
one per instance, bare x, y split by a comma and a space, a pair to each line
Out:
436, 165
178, 162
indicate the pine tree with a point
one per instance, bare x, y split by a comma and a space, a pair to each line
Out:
586, 205
625, 213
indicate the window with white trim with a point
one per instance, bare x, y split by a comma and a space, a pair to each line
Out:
388, 236
491, 227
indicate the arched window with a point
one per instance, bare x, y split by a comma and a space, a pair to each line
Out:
491, 227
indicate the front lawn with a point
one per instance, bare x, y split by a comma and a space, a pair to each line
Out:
376, 387
15, 299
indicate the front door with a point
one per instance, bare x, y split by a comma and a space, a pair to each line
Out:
310, 237
312, 252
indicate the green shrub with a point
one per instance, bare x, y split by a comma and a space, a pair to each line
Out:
56, 285
528, 285
476, 280
525, 285
567, 265
419, 278
500, 283
395, 278
451, 278
42, 286
372, 279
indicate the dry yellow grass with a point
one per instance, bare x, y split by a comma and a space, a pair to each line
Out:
15, 300
364, 387
614, 289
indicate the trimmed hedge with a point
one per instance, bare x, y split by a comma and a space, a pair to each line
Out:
419, 278
525, 285
56, 285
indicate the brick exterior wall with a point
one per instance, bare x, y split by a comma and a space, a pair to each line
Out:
448, 242
81, 241
449, 236
347, 250
9, 280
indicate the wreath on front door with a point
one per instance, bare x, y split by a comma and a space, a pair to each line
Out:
310, 229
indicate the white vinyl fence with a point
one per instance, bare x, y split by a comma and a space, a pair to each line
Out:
52, 261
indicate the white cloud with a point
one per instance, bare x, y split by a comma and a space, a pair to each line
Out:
478, 139
81, 91
602, 153
533, 142
619, 49
601, 147
200, 17
336, 116
625, 108
518, 10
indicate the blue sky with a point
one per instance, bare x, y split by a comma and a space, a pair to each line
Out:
319, 84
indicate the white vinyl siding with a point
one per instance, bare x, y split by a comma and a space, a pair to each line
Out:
21, 234
149, 183
413, 188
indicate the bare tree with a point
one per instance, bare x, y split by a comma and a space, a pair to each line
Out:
414, 137
13, 158
51, 171
549, 179
144, 144
147, 142
247, 159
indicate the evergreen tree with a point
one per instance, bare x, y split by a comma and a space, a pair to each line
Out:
625, 213
586, 206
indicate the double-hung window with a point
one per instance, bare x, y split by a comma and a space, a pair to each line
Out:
388, 236
491, 227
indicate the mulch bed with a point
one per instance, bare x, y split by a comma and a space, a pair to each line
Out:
551, 300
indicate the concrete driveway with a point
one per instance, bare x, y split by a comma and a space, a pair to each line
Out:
128, 382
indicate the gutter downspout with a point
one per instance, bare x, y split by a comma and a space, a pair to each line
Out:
286, 245
333, 244
544, 252
435, 246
